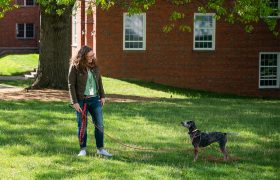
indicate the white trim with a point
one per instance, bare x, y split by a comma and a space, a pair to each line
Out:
278, 71
144, 33
213, 35
74, 26
74, 31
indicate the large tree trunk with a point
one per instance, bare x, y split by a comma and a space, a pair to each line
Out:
55, 50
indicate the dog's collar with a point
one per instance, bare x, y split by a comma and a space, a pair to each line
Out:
194, 130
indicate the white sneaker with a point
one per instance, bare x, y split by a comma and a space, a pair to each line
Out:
82, 153
103, 152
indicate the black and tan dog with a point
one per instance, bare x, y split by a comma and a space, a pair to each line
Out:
201, 139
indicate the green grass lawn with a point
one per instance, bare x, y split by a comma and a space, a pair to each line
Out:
18, 64
38, 139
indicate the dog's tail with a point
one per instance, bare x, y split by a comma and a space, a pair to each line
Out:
232, 133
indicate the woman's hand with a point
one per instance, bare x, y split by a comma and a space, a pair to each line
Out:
102, 101
77, 107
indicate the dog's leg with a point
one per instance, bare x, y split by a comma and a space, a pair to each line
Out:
224, 151
195, 153
222, 144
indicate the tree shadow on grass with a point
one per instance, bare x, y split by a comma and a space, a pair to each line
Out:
126, 164
210, 115
33, 123
45, 136
183, 91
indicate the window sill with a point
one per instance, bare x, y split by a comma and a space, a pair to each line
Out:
27, 5
269, 88
204, 50
134, 50
29, 38
270, 17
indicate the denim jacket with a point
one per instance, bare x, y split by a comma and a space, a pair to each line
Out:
77, 83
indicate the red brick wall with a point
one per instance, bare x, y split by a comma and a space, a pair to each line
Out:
233, 67
89, 29
8, 27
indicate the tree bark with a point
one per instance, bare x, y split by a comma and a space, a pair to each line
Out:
55, 50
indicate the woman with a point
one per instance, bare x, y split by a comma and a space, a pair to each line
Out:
87, 95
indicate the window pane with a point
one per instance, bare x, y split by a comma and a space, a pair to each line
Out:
197, 45
204, 21
136, 37
29, 34
262, 62
205, 44
265, 83
126, 45
20, 30
127, 21
126, 37
29, 30
135, 44
20, 2
29, 2
196, 34
274, 3
126, 31
209, 38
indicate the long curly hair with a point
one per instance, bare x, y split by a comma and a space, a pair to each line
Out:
80, 62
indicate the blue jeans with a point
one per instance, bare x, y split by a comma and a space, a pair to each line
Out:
95, 109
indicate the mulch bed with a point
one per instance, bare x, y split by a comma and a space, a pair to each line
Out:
11, 94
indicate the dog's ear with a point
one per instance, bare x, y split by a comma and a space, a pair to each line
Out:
192, 124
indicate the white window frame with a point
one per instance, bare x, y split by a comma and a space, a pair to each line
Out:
24, 4
144, 33
24, 31
278, 16
278, 71
213, 35
74, 30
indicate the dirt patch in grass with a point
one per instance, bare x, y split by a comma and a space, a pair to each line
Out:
10, 94
42, 95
